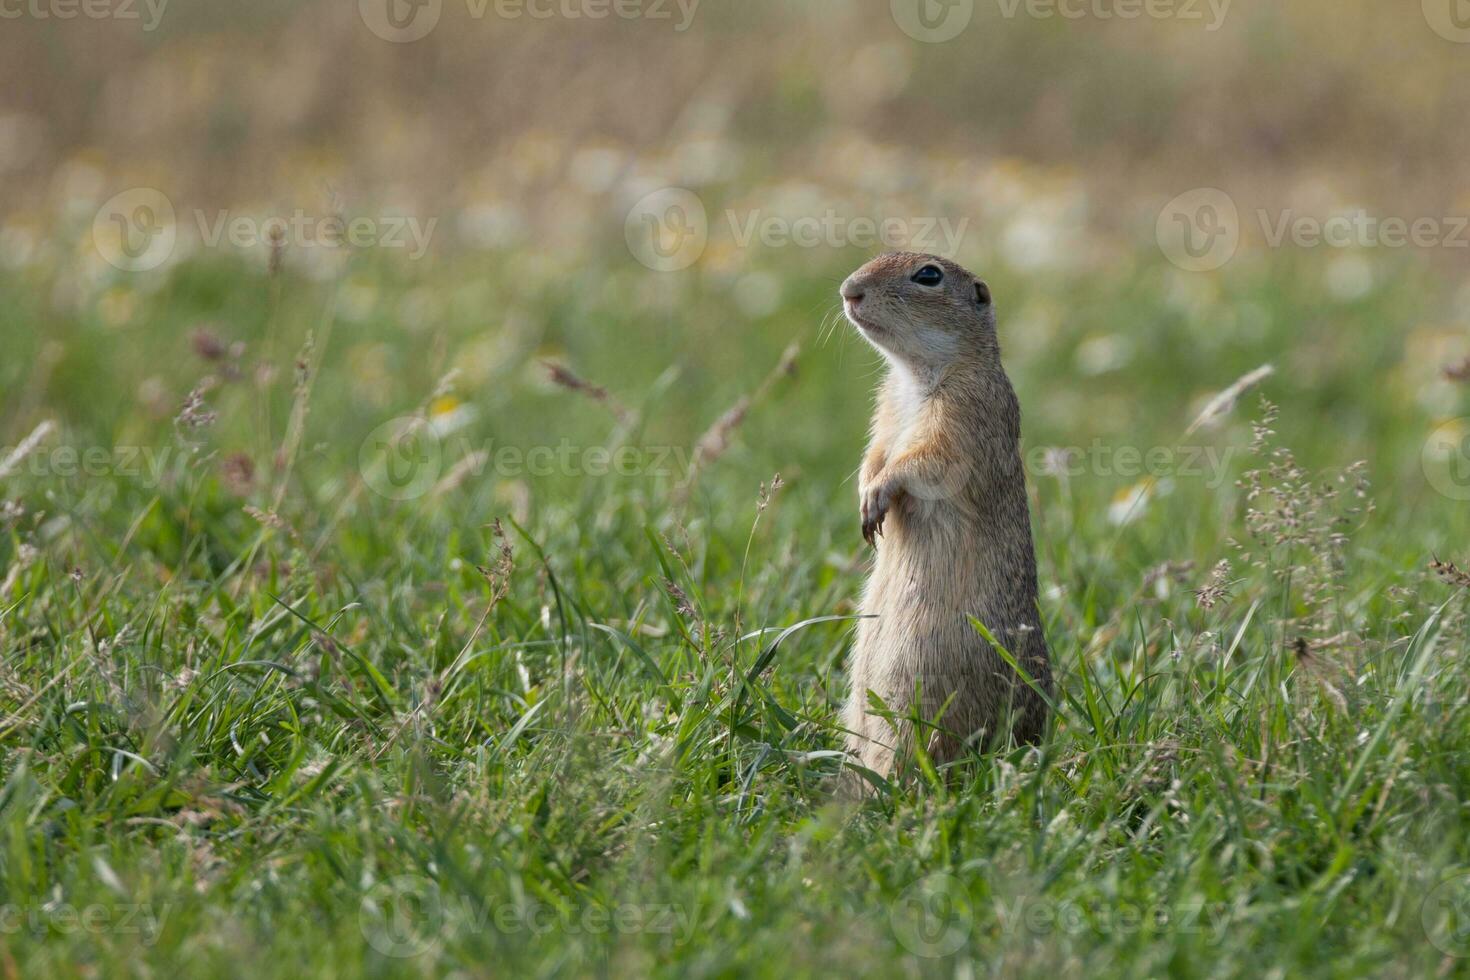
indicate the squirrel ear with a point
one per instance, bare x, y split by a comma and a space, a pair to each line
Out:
982, 293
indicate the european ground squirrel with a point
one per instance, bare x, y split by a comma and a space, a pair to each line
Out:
943, 499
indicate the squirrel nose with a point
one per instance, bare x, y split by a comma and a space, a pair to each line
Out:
852, 290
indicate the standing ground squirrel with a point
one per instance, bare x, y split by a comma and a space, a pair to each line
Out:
943, 499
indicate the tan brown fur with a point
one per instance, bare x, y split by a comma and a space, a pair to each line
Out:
942, 495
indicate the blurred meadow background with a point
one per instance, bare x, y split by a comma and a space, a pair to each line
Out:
414, 451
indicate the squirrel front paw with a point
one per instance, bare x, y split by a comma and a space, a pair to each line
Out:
877, 498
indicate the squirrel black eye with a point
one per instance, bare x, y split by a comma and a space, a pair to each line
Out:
930, 275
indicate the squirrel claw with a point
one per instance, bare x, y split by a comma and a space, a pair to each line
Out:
874, 510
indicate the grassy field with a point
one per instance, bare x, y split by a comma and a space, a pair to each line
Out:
546, 690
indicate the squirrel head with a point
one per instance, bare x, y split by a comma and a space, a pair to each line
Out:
921, 310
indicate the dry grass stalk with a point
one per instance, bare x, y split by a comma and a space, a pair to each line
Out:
303, 364
25, 556
278, 249
296, 423
763, 499
1320, 670
238, 473
683, 604
717, 438
564, 377
680, 598
785, 368
27, 446
1224, 403
1299, 528
266, 518
1451, 573
462, 471
498, 576
208, 345
195, 414
1168, 571
1216, 588
1218, 407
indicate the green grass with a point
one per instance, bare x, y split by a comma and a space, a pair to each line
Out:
286, 726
